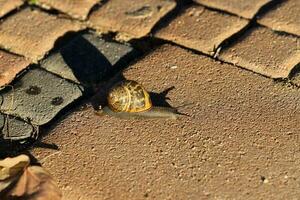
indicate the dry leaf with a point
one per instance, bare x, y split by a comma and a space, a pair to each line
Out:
6, 183
10, 170
10, 167
36, 184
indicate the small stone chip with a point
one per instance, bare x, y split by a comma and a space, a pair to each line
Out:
263, 51
131, 20
78, 9
8, 5
32, 33
16, 129
244, 8
10, 66
88, 59
201, 29
284, 17
36, 100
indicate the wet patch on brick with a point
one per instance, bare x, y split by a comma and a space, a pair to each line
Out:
263, 51
32, 33
283, 17
201, 29
241, 125
88, 59
244, 8
10, 66
77, 9
39, 101
130, 20
8, 5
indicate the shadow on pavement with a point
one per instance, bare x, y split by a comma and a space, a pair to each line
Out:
87, 63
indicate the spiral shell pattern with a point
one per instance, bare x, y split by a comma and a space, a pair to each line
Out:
129, 96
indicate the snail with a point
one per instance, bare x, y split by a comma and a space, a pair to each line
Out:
129, 99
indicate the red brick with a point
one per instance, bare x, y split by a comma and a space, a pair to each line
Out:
263, 51
8, 5
244, 8
10, 66
131, 20
32, 33
201, 29
284, 17
77, 9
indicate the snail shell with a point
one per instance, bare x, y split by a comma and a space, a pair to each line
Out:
129, 96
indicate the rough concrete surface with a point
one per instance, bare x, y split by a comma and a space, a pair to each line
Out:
8, 5
209, 30
263, 51
241, 140
131, 20
10, 66
32, 33
284, 17
77, 9
244, 8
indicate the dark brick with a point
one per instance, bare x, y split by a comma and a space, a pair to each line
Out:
34, 96
88, 59
15, 129
1, 121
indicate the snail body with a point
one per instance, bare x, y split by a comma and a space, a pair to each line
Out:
154, 112
129, 99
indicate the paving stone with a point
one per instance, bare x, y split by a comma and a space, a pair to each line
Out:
39, 100
263, 51
16, 129
244, 8
10, 66
77, 9
208, 30
88, 59
132, 20
8, 5
242, 126
32, 33
284, 17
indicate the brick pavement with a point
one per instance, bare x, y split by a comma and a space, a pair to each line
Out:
130, 20
44, 71
209, 30
278, 19
243, 8
8, 5
242, 126
77, 9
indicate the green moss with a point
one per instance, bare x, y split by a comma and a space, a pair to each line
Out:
32, 1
